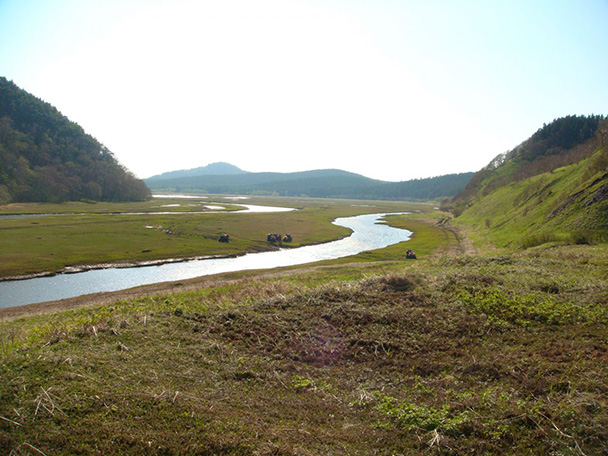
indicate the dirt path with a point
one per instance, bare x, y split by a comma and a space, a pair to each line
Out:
464, 244
458, 243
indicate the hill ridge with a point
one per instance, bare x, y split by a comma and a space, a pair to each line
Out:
542, 191
44, 156
564, 141
323, 183
216, 168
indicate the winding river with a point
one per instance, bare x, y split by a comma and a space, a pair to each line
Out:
367, 234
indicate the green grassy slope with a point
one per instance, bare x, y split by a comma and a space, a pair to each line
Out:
565, 203
568, 204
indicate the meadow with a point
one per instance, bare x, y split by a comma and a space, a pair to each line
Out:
98, 233
467, 350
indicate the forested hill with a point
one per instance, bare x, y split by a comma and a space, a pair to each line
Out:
46, 157
325, 183
553, 186
563, 142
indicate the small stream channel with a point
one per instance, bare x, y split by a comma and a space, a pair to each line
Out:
367, 234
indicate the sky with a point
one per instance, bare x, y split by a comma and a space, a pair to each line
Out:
390, 89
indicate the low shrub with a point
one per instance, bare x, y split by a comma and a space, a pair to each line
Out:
502, 307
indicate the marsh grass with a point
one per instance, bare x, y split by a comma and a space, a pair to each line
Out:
96, 235
499, 354
8, 342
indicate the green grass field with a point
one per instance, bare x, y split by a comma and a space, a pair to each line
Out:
42, 244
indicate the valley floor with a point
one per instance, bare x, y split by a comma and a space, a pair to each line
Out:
452, 354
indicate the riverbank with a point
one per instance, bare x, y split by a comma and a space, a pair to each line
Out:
429, 240
164, 288
448, 355
117, 265
367, 234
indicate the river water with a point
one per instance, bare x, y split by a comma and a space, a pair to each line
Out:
215, 210
367, 234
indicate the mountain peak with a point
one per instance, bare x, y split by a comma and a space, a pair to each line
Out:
212, 169
219, 168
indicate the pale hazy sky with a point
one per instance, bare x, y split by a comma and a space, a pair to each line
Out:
391, 89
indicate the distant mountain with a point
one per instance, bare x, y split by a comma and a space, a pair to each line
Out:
326, 183
552, 185
431, 188
213, 169
46, 157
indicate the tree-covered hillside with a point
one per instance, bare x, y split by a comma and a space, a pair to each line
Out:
46, 157
430, 188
